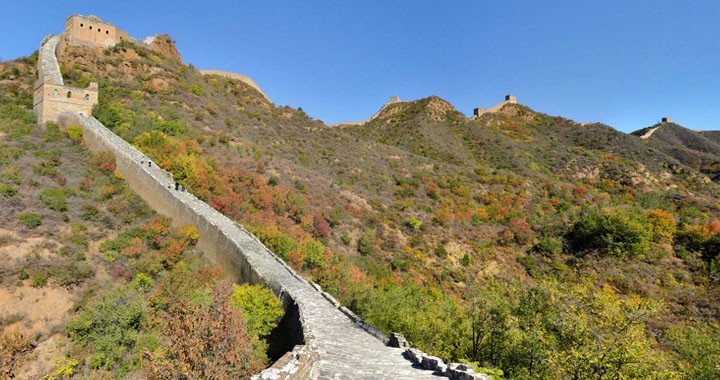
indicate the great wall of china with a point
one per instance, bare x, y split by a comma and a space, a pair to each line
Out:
327, 341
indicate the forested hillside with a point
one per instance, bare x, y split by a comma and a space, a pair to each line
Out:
530, 245
94, 284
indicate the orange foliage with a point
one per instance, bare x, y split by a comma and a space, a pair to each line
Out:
356, 274
296, 259
135, 248
206, 342
159, 225
174, 250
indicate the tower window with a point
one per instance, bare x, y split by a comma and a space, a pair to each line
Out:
81, 25
98, 30
90, 27
69, 94
87, 96
55, 92
107, 32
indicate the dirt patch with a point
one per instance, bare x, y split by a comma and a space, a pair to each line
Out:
36, 314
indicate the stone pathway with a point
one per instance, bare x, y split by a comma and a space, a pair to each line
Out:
347, 351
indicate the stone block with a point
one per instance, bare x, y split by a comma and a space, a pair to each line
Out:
414, 355
431, 362
398, 340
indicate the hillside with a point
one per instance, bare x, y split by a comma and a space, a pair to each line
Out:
699, 150
520, 241
93, 283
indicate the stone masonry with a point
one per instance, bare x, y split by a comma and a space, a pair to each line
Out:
92, 31
51, 97
330, 342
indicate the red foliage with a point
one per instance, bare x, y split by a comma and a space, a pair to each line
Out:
521, 230
107, 166
322, 227
120, 272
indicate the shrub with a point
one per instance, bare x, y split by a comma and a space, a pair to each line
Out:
260, 307
7, 190
55, 199
30, 219
521, 230
189, 233
89, 212
548, 246
172, 127
414, 223
313, 253
322, 227
663, 223
615, 232
109, 325
366, 243
74, 132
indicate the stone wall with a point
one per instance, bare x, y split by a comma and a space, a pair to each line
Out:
241, 255
240, 77
509, 99
51, 97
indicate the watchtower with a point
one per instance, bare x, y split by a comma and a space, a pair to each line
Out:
511, 99
51, 96
666, 119
394, 99
51, 100
91, 31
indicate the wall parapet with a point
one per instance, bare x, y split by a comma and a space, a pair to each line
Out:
48, 67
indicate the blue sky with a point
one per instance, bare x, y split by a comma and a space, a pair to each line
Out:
623, 63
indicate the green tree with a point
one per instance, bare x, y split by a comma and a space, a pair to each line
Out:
260, 307
109, 325
612, 232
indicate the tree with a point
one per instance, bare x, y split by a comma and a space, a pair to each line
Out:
206, 342
613, 232
259, 306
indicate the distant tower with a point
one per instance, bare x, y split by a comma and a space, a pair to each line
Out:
666, 119
511, 99
394, 99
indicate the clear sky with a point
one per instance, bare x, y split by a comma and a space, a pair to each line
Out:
624, 63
